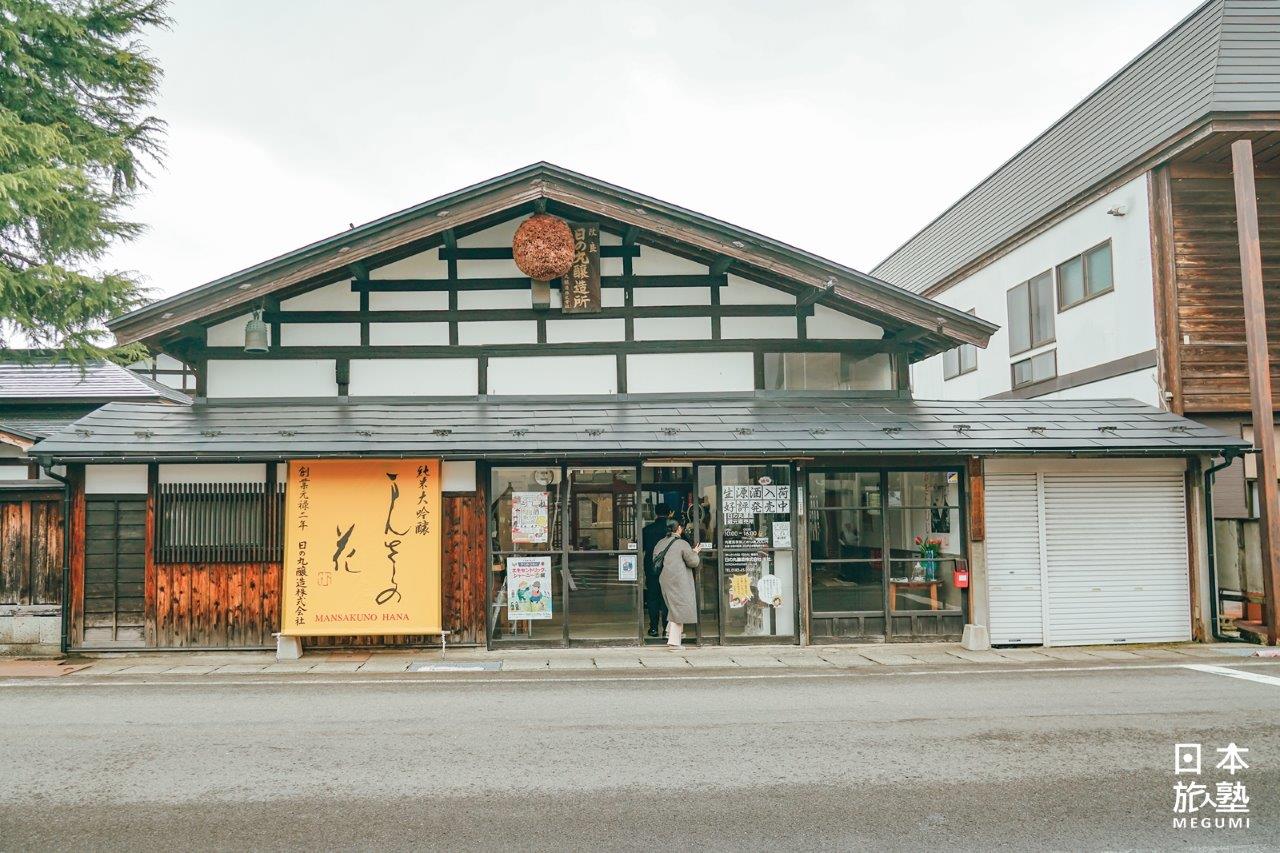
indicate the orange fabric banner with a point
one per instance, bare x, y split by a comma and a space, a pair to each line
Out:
362, 547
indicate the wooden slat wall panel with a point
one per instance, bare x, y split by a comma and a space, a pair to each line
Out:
31, 551
46, 551
15, 552
1210, 312
463, 568
211, 605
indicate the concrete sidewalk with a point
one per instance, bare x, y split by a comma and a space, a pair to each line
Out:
629, 659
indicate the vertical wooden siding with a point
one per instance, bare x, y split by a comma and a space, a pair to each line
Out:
1210, 306
464, 567
212, 605
31, 550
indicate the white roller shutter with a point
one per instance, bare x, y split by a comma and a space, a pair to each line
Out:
1115, 558
1013, 559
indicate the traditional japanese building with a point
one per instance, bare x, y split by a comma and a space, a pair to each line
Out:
462, 416
37, 398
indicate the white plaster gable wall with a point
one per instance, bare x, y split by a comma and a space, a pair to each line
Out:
214, 473
422, 265
490, 299
414, 377
575, 331
319, 334
434, 300
651, 373
673, 295
673, 328
229, 333
231, 378
829, 323
740, 291
739, 328
498, 332
654, 262
1109, 327
408, 334
499, 235
115, 479
332, 297
567, 374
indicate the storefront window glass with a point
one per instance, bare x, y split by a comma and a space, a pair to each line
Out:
525, 524
846, 542
758, 565
603, 514
922, 512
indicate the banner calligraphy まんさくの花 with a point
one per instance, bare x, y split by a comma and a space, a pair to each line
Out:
362, 547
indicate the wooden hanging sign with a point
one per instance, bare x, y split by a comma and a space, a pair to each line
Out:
580, 286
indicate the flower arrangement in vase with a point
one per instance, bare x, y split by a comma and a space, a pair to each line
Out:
929, 547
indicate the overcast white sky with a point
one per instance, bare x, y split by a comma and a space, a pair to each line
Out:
840, 127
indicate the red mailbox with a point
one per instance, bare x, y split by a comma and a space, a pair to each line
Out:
960, 576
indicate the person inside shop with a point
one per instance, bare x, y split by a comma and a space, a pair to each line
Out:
677, 560
650, 536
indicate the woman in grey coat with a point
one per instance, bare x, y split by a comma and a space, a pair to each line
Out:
678, 560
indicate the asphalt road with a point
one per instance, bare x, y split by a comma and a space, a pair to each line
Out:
1011, 760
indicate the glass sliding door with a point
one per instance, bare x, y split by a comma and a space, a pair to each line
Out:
666, 491
757, 577
925, 540
883, 546
602, 572
846, 550
526, 601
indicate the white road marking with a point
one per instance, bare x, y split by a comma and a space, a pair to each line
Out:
1234, 673
301, 677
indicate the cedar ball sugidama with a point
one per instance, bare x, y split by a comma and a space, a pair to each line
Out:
543, 247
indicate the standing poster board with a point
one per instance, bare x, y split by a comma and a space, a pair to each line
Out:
528, 588
362, 548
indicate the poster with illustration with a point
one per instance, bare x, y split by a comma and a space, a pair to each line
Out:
529, 518
528, 588
739, 591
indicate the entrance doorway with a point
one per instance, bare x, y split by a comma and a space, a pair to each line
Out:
568, 545
601, 565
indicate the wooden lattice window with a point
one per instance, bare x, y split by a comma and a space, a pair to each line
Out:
219, 523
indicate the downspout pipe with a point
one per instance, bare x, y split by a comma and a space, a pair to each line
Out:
64, 644
1228, 457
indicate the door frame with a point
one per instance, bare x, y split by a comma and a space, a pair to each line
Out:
962, 507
